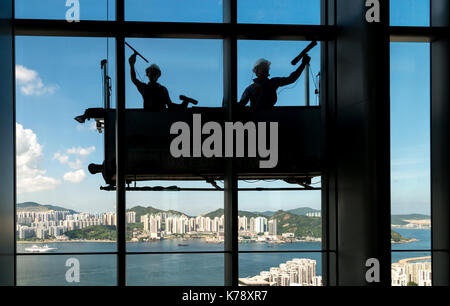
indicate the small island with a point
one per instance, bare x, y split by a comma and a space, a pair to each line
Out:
398, 238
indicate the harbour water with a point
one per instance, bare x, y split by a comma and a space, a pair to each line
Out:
176, 269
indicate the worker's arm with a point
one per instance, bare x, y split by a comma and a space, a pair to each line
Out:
132, 61
245, 98
170, 104
296, 74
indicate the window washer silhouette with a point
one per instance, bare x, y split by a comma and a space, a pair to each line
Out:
156, 97
262, 94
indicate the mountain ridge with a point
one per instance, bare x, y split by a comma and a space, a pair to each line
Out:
34, 206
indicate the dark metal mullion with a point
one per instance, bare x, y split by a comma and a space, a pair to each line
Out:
439, 143
120, 149
15, 166
231, 257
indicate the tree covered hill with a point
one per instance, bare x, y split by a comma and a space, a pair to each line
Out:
141, 211
219, 212
33, 206
301, 226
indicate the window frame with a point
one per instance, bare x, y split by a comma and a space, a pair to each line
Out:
230, 31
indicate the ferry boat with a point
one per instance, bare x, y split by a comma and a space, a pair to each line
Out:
39, 249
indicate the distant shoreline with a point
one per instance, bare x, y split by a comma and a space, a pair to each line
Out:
405, 241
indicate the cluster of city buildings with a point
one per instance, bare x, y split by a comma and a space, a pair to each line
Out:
295, 272
45, 224
161, 224
406, 273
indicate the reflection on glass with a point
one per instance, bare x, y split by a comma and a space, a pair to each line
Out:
174, 10
410, 13
169, 221
279, 11
61, 270
410, 146
280, 54
58, 200
279, 220
57, 9
175, 270
188, 67
280, 269
411, 269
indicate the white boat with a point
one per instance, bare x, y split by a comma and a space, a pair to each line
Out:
39, 249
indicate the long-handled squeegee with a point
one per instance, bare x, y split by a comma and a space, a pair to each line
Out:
303, 53
136, 52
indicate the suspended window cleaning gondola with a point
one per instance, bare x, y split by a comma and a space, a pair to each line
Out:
148, 137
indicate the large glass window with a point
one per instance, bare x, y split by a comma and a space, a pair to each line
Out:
189, 67
280, 269
60, 208
66, 270
175, 270
305, 12
271, 222
280, 54
62, 9
175, 221
410, 161
174, 10
410, 13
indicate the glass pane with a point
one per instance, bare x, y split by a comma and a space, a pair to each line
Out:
410, 146
411, 269
188, 67
410, 13
280, 54
57, 9
279, 220
58, 200
174, 10
279, 11
175, 270
62, 270
175, 221
280, 269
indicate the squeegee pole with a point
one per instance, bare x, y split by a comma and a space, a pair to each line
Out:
135, 51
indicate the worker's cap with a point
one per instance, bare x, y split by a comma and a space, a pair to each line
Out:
261, 65
154, 67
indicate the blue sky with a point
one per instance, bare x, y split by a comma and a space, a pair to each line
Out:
60, 77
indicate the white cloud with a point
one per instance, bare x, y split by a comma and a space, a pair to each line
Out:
62, 158
30, 176
75, 176
81, 151
77, 164
30, 83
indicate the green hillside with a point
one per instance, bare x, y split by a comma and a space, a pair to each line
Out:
219, 212
141, 211
396, 237
95, 232
301, 226
301, 211
33, 206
